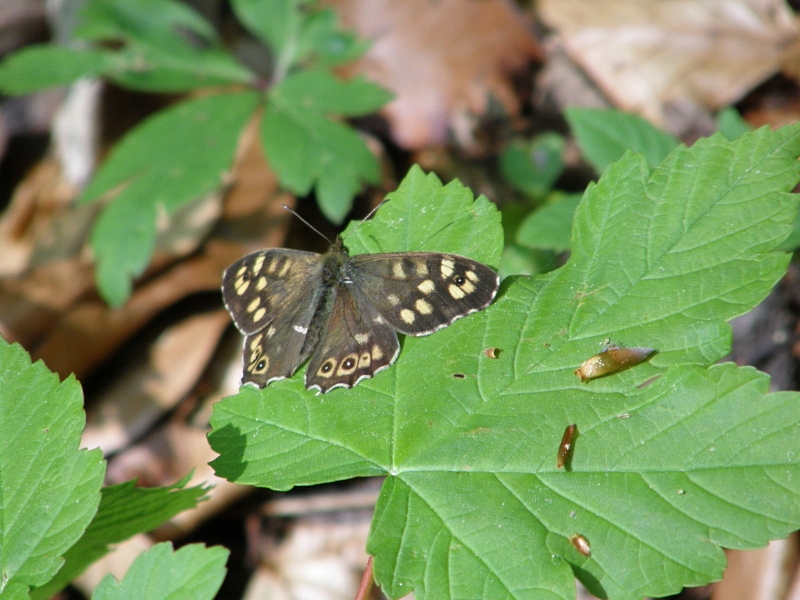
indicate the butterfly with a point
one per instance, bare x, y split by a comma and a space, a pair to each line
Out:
342, 313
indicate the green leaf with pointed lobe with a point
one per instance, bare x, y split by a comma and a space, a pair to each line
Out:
665, 471
172, 158
49, 489
192, 573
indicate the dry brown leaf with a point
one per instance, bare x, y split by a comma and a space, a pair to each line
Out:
153, 385
649, 54
443, 59
28, 222
322, 557
762, 574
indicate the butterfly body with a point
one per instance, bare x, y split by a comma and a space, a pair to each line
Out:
342, 313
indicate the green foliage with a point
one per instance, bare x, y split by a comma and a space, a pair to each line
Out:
49, 490
296, 35
550, 227
172, 158
183, 153
192, 573
54, 518
124, 511
731, 124
533, 166
605, 135
662, 475
38, 67
306, 148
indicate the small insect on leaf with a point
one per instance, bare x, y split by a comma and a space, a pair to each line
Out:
492, 352
565, 448
581, 544
613, 360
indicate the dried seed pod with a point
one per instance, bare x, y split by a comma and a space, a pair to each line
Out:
581, 544
613, 360
565, 448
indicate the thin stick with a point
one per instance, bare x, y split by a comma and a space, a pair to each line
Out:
366, 582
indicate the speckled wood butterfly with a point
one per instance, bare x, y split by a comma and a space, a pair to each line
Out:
344, 312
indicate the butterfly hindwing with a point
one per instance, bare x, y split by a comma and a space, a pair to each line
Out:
355, 343
421, 292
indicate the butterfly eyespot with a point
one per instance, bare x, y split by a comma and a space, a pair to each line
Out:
246, 276
349, 363
459, 279
261, 364
326, 367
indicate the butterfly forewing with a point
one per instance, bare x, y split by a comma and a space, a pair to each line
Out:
421, 292
263, 285
272, 296
355, 343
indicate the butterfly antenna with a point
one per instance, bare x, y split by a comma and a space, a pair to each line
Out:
307, 223
369, 214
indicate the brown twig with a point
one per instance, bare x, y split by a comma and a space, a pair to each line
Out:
366, 582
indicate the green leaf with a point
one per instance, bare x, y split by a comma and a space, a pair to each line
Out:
124, 511
605, 135
662, 475
168, 46
172, 158
192, 573
308, 149
534, 166
49, 489
731, 124
276, 22
325, 44
297, 31
40, 67
550, 227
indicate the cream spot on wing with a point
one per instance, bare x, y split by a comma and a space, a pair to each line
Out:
256, 341
300, 329
259, 314
364, 361
393, 299
427, 286
407, 316
262, 283
241, 285
361, 338
258, 264
379, 319
423, 307
468, 287
242, 270
348, 364
455, 291
253, 304
377, 353
326, 370
397, 270
421, 269
273, 264
285, 268
271, 331
471, 276
447, 267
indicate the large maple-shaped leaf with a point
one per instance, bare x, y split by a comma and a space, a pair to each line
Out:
673, 459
